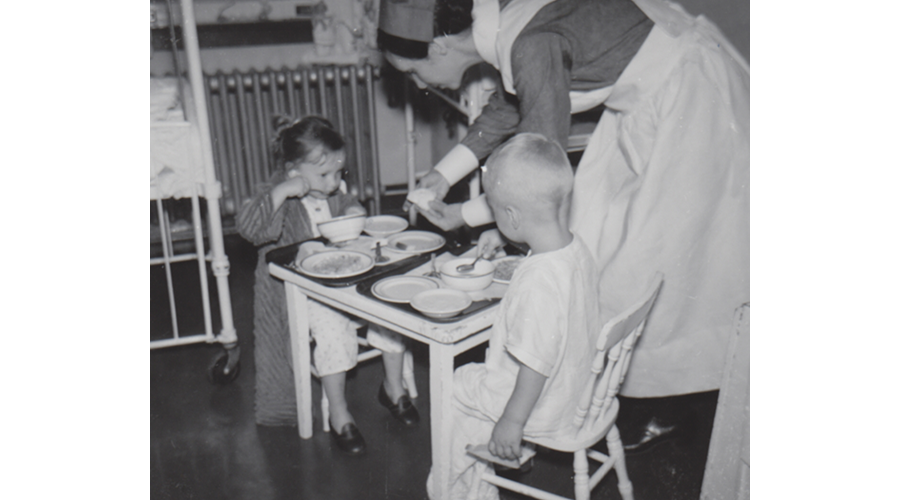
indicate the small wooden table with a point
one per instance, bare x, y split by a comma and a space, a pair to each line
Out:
445, 340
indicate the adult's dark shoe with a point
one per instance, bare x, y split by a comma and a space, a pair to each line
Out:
350, 440
654, 433
403, 410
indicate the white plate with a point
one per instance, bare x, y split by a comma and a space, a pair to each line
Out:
441, 303
415, 242
401, 289
382, 226
336, 264
500, 265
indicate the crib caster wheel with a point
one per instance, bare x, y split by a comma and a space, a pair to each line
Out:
221, 371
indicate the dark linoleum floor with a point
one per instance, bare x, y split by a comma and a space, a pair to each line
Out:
204, 442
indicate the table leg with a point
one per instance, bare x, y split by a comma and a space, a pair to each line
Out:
298, 321
440, 380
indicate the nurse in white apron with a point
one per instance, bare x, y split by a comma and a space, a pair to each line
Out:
663, 184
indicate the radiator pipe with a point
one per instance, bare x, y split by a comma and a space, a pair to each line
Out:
231, 140
357, 134
307, 100
245, 129
261, 122
376, 170
323, 103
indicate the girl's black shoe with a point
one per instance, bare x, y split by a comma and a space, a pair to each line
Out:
349, 440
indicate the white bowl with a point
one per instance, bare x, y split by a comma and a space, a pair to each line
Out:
344, 228
382, 226
476, 279
441, 303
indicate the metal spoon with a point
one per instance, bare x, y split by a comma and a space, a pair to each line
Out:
434, 270
465, 268
378, 257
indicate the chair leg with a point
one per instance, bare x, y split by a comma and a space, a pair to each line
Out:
582, 479
409, 379
326, 424
617, 453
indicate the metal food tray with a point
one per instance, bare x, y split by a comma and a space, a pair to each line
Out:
284, 257
365, 288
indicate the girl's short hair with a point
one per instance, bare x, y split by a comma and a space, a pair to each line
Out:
295, 139
450, 17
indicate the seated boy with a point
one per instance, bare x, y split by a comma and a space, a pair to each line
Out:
542, 342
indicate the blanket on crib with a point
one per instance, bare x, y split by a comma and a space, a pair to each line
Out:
176, 164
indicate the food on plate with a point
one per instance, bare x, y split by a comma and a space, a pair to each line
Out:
339, 265
505, 268
421, 197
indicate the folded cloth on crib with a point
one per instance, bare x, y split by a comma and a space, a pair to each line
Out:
165, 102
176, 164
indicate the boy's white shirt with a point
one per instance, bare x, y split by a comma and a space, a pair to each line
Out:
564, 323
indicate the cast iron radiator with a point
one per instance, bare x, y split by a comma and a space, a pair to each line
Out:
241, 107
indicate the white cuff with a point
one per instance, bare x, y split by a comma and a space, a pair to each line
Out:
476, 212
457, 164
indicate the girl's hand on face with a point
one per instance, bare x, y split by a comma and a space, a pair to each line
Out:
295, 186
489, 242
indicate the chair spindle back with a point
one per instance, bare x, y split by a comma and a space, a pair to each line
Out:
610, 364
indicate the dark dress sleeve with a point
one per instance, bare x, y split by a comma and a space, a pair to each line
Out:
541, 67
256, 221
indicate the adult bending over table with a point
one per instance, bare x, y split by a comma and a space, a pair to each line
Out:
663, 184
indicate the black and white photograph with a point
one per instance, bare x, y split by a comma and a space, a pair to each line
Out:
449, 249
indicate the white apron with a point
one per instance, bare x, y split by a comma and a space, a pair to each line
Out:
663, 185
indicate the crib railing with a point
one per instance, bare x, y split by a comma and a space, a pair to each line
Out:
241, 107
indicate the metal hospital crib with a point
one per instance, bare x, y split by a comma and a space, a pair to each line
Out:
181, 167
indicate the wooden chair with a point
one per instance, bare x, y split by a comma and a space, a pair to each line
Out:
598, 407
409, 381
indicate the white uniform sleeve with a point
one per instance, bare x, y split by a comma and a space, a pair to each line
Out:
457, 164
476, 212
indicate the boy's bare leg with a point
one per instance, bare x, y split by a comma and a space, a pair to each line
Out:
337, 401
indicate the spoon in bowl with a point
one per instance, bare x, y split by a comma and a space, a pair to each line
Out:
467, 268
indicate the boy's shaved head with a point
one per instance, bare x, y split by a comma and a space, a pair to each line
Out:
529, 170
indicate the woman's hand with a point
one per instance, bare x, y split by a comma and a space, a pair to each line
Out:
489, 242
434, 182
447, 217
294, 186
506, 439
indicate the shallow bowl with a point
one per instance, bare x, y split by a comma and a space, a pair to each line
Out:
441, 303
476, 279
382, 226
344, 228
